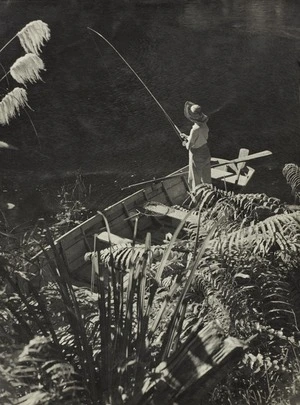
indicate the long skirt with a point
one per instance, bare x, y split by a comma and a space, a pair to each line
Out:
199, 166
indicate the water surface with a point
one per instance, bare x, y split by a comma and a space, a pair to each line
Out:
237, 58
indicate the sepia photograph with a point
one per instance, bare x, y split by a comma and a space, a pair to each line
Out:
150, 202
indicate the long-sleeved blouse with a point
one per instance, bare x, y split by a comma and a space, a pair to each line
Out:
198, 136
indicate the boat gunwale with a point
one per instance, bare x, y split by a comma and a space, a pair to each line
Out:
98, 219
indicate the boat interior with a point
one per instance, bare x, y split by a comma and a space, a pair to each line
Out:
128, 219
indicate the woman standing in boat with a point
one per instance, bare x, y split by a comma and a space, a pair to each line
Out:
196, 144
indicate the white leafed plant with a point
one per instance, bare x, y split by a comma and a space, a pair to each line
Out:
291, 173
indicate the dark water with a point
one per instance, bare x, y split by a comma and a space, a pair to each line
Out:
234, 56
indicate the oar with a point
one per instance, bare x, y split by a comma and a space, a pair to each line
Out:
242, 154
238, 160
257, 155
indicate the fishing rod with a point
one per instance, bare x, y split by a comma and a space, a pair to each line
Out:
237, 160
298, 61
155, 180
176, 129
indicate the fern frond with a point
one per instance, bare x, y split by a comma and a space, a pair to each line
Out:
291, 172
11, 104
243, 204
35, 398
277, 305
33, 36
27, 68
262, 236
124, 255
209, 283
244, 291
48, 375
237, 211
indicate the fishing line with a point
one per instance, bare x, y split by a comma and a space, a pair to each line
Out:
6, 75
298, 62
141, 81
107, 68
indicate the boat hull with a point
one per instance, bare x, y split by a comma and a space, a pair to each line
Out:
173, 190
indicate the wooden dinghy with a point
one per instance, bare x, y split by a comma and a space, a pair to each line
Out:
92, 234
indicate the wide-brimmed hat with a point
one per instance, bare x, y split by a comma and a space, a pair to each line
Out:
193, 112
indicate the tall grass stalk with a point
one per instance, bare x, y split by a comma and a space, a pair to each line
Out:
105, 311
24, 300
62, 278
170, 336
158, 276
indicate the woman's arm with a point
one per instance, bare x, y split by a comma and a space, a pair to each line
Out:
191, 139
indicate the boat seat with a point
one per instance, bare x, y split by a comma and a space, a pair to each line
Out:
171, 212
221, 174
115, 239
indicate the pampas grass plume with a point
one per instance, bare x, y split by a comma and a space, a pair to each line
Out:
33, 36
5, 145
27, 68
11, 104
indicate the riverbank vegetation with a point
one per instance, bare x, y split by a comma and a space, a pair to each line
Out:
131, 337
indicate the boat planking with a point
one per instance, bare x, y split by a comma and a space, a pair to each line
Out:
89, 235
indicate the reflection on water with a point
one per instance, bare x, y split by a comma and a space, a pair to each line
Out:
235, 57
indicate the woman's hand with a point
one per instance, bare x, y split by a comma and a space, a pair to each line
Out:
184, 138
